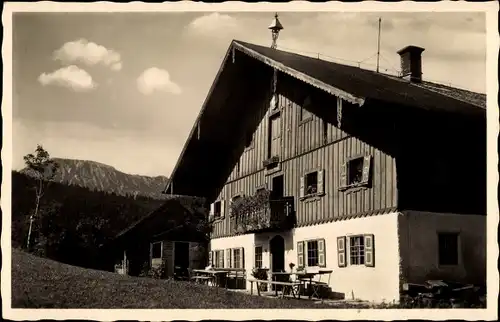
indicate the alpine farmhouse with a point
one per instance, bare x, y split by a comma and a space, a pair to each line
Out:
380, 178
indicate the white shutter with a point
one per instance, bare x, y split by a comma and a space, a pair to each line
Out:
212, 212
321, 182
222, 208
302, 187
369, 250
341, 251
321, 253
300, 254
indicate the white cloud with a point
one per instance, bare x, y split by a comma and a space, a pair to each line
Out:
212, 23
70, 76
156, 79
88, 53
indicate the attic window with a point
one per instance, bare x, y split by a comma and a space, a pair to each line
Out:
217, 209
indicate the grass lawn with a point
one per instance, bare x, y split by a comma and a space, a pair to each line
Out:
42, 283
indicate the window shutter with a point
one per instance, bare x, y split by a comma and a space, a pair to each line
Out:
212, 211
242, 257
366, 169
369, 250
343, 175
302, 187
321, 182
341, 251
221, 259
222, 208
210, 258
228, 257
300, 254
321, 253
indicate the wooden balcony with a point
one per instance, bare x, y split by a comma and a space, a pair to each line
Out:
272, 215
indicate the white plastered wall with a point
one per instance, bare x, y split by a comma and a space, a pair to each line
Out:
379, 283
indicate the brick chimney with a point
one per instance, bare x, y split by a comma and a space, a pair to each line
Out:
411, 63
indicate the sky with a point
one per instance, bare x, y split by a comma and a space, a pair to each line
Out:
124, 89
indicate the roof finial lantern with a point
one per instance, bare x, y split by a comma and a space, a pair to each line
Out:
275, 28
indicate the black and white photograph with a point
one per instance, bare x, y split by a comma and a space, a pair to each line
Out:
262, 157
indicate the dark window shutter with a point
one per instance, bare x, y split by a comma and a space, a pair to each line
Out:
343, 175
321, 182
210, 257
302, 187
369, 250
222, 208
228, 257
341, 251
366, 169
300, 254
321, 253
242, 258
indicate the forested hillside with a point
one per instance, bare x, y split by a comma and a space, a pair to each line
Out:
73, 221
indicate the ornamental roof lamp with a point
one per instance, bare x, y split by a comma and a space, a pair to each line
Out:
275, 28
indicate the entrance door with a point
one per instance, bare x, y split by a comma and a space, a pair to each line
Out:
181, 258
277, 188
277, 250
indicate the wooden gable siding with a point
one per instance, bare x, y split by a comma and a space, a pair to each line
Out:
297, 137
305, 147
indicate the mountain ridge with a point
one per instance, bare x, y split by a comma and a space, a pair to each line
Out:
98, 176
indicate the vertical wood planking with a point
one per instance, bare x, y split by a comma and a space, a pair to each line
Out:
297, 141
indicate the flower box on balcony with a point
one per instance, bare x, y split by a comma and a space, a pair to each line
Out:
271, 162
259, 212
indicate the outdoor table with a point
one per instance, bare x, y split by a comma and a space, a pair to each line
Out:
215, 274
304, 276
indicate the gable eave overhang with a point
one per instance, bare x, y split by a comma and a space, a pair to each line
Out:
360, 101
198, 118
300, 75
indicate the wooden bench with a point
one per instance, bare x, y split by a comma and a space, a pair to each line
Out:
236, 274
293, 287
202, 279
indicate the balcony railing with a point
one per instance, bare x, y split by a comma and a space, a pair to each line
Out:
270, 215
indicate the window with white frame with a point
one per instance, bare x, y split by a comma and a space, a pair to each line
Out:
312, 184
356, 250
236, 258
258, 257
218, 258
311, 253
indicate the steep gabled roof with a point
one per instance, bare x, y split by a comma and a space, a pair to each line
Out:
352, 84
366, 84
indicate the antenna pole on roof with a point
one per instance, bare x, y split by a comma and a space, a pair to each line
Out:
378, 47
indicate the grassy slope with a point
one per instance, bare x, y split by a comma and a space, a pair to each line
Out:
43, 283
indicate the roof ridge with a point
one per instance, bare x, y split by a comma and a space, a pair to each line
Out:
369, 70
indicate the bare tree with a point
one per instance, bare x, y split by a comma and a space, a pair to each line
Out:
42, 168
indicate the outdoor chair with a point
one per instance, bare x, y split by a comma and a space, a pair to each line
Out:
317, 287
